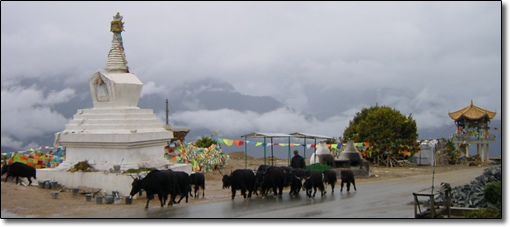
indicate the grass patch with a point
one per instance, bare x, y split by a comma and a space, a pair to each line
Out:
139, 170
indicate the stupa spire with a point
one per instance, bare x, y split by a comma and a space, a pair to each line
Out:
117, 62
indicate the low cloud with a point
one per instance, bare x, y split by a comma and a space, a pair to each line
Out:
232, 123
55, 97
151, 88
27, 113
7, 141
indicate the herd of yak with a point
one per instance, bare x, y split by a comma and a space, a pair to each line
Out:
266, 178
179, 183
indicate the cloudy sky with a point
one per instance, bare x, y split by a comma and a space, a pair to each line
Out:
324, 60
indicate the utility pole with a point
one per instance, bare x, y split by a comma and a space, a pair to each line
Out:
167, 111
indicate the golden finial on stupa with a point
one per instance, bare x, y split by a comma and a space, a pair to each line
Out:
117, 25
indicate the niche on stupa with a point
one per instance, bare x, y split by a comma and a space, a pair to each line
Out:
101, 88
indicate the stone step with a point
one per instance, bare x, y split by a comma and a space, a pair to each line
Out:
118, 121
116, 117
114, 112
110, 127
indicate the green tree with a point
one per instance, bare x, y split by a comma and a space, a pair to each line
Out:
453, 153
381, 123
205, 142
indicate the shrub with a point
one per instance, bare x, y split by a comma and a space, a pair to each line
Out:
485, 213
82, 166
205, 142
139, 170
492, 193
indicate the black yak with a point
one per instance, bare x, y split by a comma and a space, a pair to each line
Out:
347, 176
17, 170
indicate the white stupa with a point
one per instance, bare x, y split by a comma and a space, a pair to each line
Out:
115, 131
322, 150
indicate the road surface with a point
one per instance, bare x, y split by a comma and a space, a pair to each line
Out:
392, 199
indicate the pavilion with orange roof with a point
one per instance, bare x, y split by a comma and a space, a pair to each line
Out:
472, 128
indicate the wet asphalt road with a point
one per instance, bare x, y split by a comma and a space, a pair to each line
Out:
371, 200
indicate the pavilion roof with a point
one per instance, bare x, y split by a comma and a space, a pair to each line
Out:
472, 112
268, 135
284, 135
309, 136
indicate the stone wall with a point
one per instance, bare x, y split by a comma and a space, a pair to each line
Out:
105, 180
471, 195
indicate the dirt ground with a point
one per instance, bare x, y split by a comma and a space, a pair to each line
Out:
32, 202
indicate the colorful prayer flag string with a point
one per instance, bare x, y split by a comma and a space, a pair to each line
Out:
36, 158
200, 159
